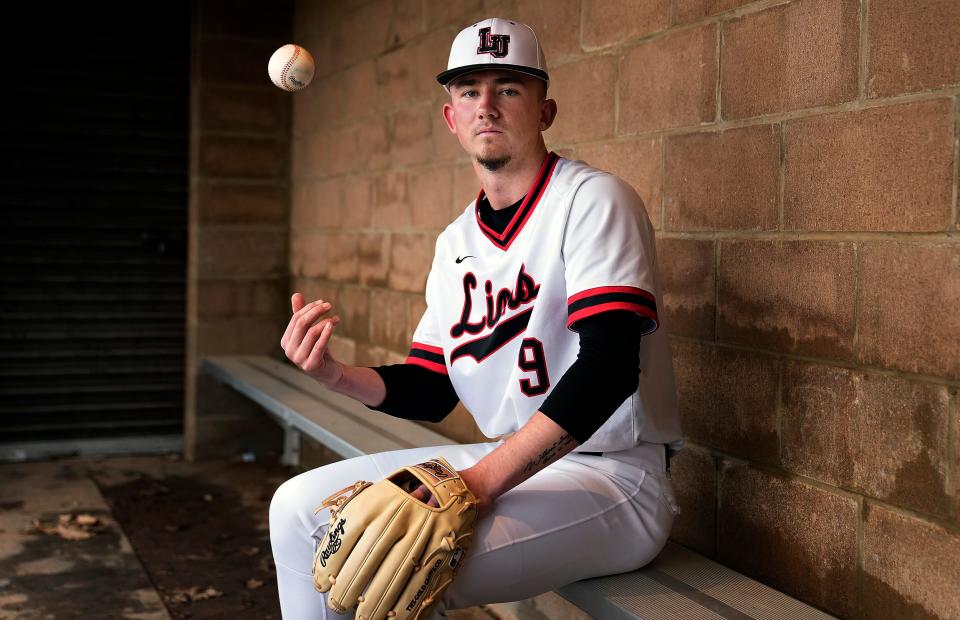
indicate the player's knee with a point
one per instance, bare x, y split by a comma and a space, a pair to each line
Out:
285, 507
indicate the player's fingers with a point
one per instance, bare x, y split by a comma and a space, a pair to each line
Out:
420, 494
297, 302
312, 342
315, 358
402, 561
309, 341
291, 325
300, 322
366, 557
423, 494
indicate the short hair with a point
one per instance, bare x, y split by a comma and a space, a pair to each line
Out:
543, 90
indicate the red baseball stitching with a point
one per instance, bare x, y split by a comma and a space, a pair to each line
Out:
286, 67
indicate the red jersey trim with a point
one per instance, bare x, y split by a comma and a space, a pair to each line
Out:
505, 239
606, 298
590, 292
440, 368
427, 356
614, 305
426, 347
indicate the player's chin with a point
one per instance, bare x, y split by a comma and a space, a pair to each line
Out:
487, 150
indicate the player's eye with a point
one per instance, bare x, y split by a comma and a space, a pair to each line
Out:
510, 92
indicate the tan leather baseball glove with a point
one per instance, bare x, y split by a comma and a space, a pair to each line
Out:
386, 552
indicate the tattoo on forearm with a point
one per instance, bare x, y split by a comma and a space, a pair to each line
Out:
549, 455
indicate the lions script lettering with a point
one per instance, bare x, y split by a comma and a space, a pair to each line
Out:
334, 542
525, 291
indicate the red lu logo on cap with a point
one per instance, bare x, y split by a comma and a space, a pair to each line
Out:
493, 44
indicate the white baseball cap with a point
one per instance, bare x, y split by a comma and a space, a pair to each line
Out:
495, 43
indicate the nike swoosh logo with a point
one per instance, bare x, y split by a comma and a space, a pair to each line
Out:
460, 259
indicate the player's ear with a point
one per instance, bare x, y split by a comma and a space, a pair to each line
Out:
449, 118
548, 113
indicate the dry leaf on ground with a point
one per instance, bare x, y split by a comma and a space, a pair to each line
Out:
193, 593
70, 527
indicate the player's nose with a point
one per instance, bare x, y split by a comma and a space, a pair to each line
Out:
486, 104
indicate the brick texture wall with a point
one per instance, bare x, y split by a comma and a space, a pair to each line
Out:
239, 215
799, 162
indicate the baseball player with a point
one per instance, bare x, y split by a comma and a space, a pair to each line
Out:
542, 319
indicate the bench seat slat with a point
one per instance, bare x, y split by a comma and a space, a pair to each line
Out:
732, 588
339, 430
714, 590
415, 433
603, 599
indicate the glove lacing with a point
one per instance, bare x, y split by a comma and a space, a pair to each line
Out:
338, 500
451, 540
467, 503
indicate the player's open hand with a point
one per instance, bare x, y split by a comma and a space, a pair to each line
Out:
306, 337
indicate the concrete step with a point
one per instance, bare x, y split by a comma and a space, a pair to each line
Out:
44, 575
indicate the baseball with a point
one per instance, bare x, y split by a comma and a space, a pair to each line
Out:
291, 67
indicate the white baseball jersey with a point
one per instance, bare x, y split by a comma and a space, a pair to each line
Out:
500, 306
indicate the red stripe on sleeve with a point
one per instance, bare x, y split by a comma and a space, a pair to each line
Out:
613, 305
427, 348
600, 290
419, 361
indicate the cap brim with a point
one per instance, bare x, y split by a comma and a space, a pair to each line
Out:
451, 74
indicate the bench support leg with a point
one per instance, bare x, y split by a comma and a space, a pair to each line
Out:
291, 446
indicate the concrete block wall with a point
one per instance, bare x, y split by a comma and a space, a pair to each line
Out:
798, 159
239, 215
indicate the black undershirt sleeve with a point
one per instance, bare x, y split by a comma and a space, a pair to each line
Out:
416, 393
606, 373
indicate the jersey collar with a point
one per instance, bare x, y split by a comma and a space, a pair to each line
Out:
504, 239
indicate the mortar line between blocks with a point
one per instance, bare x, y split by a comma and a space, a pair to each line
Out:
779, 408
717, 503
662, 215
953, 459
718, 90
616, 97
783, 177
864, 64
861, 503
580, 30
954, 224
716, 290
857, 299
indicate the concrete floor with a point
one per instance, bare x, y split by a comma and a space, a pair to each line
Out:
45, 575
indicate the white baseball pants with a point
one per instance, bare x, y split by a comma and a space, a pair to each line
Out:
583, 516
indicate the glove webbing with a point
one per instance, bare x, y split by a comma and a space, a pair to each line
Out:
336, 502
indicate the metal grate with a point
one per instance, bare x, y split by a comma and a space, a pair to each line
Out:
93, 243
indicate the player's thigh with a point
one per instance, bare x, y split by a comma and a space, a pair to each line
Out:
294, 524
568, 522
